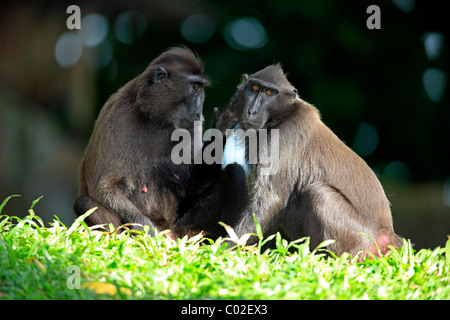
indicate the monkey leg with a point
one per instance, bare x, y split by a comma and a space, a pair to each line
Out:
127, 214
99, 216
324, 213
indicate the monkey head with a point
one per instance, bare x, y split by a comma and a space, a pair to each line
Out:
171, 91
267, 95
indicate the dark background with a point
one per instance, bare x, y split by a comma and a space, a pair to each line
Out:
383, 92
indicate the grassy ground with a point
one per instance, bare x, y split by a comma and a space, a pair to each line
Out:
59, 262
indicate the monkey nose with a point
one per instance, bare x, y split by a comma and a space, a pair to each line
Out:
250, 113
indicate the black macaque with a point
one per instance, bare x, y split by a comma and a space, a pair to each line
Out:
322, 189
127, 170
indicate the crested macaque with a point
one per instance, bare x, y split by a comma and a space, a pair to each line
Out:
127, 170
322, 189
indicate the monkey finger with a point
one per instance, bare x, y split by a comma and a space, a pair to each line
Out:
170, 236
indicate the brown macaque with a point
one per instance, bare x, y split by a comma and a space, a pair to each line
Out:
322, 189
127, 170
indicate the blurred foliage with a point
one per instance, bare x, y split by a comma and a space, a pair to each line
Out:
358, 78
350, 73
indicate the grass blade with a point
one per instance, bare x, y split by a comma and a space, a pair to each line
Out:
447, 250
6, 201
78, 221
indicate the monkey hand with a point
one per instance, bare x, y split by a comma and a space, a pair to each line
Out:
225, 119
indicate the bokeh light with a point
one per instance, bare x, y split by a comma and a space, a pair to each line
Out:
129, 26
98, 57
197, 28
396, 171
68, 49
94, 28
434, 82
245, 33
366, 139
433, 42
404, 5
91, 43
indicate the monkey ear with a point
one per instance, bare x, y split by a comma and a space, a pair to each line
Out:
292, 94
158, 74
245, 77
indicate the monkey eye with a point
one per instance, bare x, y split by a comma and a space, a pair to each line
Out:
196, 86
268, 92
255, 88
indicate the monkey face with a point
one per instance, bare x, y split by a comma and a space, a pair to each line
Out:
190, 108
266, 96
259, 96
177, 94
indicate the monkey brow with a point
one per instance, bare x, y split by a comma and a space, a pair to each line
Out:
264, 84
196, 78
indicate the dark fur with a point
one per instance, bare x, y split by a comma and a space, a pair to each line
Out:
127, 171
322, 188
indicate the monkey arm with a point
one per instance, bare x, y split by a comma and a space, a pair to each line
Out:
230, 115
264, 211
270, 195
222, 201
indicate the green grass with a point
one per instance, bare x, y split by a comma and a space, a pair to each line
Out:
76, 262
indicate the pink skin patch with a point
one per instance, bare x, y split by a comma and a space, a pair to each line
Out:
383, 241
144, 189
176, 176
170, 236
